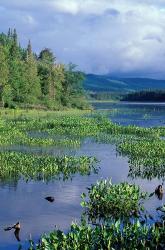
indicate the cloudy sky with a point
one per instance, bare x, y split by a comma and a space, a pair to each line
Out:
117, 37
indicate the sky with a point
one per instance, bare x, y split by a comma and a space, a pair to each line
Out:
116, 37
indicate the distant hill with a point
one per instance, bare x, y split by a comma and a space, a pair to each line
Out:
104, 83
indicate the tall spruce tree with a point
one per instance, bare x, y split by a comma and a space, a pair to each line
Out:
31, 81
4, 73
26, 78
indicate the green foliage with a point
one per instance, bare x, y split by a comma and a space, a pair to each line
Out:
113, 208
120, 201
3, 67
28, 79
146, 157
106, 83
43, 168
105, 237
72, 86
145, 96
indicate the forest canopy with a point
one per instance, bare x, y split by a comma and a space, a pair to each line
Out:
31, 80
145, 96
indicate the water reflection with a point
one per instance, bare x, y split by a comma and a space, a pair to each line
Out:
37, 215
146, 172
25, 202
139, 114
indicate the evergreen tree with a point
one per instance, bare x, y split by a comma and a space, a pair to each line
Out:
29, 49
15, 38
9, 33
72, 85
26, 78
31, 81
4, 71
47, 56
45, 70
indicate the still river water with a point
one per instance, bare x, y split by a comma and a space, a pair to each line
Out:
25, 202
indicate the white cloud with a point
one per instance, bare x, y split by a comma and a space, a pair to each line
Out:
105, 36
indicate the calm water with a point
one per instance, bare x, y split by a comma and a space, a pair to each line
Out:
25, 202
140, 114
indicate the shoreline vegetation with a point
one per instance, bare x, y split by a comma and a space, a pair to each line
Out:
145, 96
30, 80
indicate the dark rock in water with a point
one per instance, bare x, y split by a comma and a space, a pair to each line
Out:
15, 226
50, 198
159, 192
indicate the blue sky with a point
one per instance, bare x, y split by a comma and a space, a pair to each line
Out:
117, 37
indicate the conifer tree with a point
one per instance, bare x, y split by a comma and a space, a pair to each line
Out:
45, 69
32, 88
29, 49
4, 71
26, 78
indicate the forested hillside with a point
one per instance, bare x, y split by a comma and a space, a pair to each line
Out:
31, 80
145, 96
105, 83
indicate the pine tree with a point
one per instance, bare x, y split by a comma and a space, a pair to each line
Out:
29, 49
9, 33
15, 38
26, 78
4, 71
32, 88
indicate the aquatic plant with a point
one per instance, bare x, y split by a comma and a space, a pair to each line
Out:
106, 200
146, 157
108, 236
43, 167
73, 127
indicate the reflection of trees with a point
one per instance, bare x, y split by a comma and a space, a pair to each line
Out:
12, 181
9, 181
146, 172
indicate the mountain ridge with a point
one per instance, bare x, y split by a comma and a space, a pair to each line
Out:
106, 83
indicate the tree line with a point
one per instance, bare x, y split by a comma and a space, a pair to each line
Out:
146, 96
31, 80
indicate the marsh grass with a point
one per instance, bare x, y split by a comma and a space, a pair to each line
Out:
113, 204
43, 168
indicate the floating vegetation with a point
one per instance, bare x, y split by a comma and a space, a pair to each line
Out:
146, 158
108, 236
116, 208
43, 168
119, 201
146, 172
100, 128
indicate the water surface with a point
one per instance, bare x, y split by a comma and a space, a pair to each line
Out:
133, 113
24, 202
